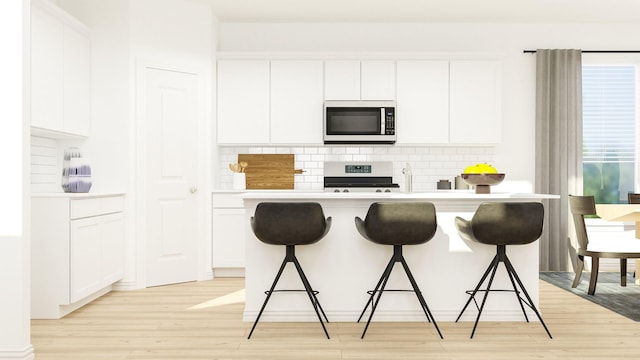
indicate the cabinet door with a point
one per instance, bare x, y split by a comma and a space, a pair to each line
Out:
77, 83
296, 102
228, 247
113, 235
378, 80
85, 257
46, 70
342, 80
476, 101
243, 102
423, 102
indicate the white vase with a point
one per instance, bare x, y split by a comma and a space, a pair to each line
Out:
239, 181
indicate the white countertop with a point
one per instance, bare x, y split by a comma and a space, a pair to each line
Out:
429, 195
88, 195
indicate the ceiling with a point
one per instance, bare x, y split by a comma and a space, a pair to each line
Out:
546, 11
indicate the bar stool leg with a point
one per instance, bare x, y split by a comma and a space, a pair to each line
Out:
384, 277
416, 289
312, 296
378, 290
484, 298
511, 269
273, 286
494, 263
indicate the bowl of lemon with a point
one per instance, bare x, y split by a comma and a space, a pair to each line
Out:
482, 176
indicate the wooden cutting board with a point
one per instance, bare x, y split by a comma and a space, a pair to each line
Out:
269, 171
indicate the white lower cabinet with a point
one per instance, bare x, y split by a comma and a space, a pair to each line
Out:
229, 229
77, 246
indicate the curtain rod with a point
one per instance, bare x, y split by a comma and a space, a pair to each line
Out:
596, 51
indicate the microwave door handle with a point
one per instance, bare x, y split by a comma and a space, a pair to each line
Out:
382, 121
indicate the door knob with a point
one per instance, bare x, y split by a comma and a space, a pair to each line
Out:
193, 189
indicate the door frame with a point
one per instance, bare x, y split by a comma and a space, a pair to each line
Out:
137, 202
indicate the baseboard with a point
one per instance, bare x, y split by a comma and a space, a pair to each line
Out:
25, 354
390, 316
228, 272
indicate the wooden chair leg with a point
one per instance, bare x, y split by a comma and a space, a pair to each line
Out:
623, 272
595, 265
579, 268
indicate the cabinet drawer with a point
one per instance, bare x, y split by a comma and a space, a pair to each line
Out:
112, 205
82, 208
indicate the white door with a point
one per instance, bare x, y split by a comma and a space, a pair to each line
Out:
171, 126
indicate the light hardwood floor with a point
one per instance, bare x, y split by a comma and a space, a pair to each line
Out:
203, 320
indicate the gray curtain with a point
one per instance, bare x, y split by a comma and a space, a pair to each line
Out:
558, 147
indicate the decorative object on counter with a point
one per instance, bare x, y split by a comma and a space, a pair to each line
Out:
483, 182
269, 171
239, 175
239, 181
408, 178
239, 167
76, 172
460, 184
482, 176
444, 185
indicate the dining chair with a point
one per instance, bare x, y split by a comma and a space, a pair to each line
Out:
619, 248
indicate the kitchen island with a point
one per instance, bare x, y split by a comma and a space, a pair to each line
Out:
343, 266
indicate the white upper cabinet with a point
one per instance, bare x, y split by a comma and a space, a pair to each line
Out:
476, 102
280, 101
243, 102
359, 80
60, 73
342, 80
449, 102
378, 80
423, 102
77, 83
296, 101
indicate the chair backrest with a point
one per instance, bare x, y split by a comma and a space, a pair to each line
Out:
508, 223
289, 223
633, 198
399, 223
579, 207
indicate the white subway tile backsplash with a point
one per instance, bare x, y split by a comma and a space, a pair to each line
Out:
428, 163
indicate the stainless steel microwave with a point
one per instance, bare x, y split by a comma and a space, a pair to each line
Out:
359, 122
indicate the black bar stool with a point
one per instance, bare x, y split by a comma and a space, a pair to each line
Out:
397, 224
291, 224
502, 224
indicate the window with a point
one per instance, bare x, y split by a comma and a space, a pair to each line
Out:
609, 132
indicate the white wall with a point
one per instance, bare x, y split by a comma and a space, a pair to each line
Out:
14, 190
516, 154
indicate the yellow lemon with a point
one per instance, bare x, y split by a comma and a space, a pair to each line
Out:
471, 169
487, 169
480, 168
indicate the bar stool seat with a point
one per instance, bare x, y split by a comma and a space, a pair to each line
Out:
397, 224
502, 224
291, 224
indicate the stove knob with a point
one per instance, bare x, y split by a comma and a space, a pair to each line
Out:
336, 190
345, 190
387, 190
378, 190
